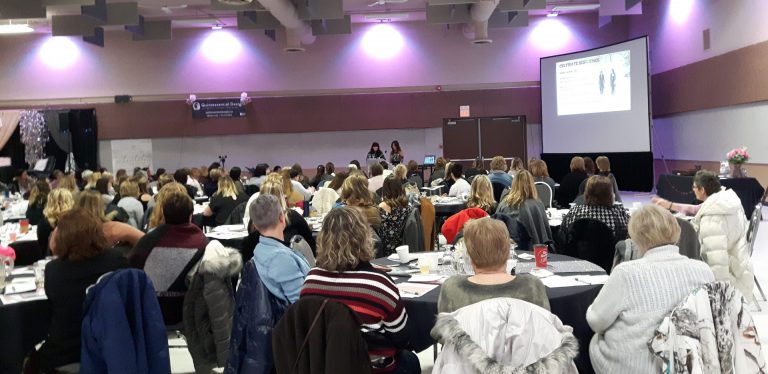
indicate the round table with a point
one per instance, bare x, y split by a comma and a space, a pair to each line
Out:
22, 325
568, 303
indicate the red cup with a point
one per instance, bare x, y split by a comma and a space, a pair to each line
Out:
24, 226
540, 251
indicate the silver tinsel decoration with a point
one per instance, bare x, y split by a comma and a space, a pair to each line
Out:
34, 135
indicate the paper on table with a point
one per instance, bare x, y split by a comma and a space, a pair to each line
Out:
526, 256
541, 273
556, 281
227, 235
426, 278
20, 287
23, 271
412, 290
20, 297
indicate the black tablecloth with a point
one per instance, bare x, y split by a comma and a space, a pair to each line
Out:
447, 210
27, 252
568, 303
677, 188
22, 325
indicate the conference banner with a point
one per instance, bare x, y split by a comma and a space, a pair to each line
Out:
218, 108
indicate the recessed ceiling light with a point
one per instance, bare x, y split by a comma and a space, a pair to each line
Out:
15, 29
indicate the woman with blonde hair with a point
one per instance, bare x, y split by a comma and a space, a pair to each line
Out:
59, 201
481, 195
291, 195
355, 193
516, 166
540, 173
116, 233
569, 185
522, 190
92, 180
522, 202
129, 201
69, 183
401, 172
224, 201
498, 172
344, 273
157, 218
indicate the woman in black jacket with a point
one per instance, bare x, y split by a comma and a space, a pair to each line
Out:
37, 200
569, 185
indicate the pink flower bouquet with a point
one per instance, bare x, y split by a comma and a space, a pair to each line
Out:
738, 156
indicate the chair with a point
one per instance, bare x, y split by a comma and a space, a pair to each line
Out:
236, 217
251, 189
299, 244
427, 210
591, 240
498, 188
317, 335
688, 244
413, 231
43, 168
545, 193
754, 224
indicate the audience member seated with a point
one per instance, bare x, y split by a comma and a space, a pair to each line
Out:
344, 273
22, 183
598, 204
281, 270
59, 202
498, 172
521, 191
515, 166
330, 174
235, 173
355, 193
448, 181
318, 178
155, 213
377, 178
721, 225
224, 201
301, 178
295, 224
569, 185
476, 169
540, 173
104, 186
38, 197
640, 293
68, 183
259, 175
292, 196
481, 195
182, 176
413, 174
488, 245
145, 197
194, 179
460, 186
604, 169
589, 166
298, 186
522, 203
89, 179
117, 233
81, 258
212, 186
169, 252
438, 171
129, 193
394, 211
400, 172
338, 181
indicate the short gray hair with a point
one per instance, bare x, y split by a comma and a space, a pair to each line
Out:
653, 226
265, 211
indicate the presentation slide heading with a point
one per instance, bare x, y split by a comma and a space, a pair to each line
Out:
579, 62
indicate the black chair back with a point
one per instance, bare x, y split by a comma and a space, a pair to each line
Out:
689, 240
498, 189
545, 193
236, 217
251, 189
591, 240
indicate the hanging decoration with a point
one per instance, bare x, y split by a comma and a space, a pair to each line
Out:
34, 135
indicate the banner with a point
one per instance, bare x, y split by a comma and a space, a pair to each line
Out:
218, 108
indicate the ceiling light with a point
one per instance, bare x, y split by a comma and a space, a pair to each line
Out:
217, 27
386, 16
15, 29
552, 14
575, 7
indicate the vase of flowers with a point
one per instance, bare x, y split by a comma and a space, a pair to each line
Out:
736, 159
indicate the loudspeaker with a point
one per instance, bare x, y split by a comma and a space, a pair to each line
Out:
123, 99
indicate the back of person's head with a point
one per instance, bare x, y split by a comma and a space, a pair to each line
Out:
68, 182
329, 168
356, 163
159, 172
180, 176
129, 189
143, 184
158, 217
603, 164
102, 185
235, 172
487, 242
354, 191
39, 193
92, 201
522, 189
384, 165
478, 163
260, 170
265, 212
163, 180
652, 226
213, 174
413, 166
214, 165
599, 191
226, 186
376, 170
708, 181
498, 163
538, 168
320, 170
78, 236
344, 241
589, 165
457, 170
287, 185
177, 208
577, 164
392, 192
338, 181
440, 163
400, 172
59, 202
277, 169
294, 173
481, 194
517, 164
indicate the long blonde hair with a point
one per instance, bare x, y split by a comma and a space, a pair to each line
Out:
92, 179
481, 194
158, 218
92, 201
355, 191
522, 189
59, 202
400, 172
344, 241
226, 187
68, 182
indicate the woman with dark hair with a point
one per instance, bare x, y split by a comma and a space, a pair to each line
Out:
81, 258
540, 173
515, 166
413, 175
569, 185
598, 204
38, 197
330, 174
375, 152
338, 181
319, 176
394, 211
103, 186
589, 166
476, 169
604, 169
396, 155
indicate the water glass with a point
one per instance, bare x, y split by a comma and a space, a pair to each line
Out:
39, 269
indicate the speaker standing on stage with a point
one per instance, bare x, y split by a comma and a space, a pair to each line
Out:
375, 152
396, 155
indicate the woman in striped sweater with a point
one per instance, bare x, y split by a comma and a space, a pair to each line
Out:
344, 274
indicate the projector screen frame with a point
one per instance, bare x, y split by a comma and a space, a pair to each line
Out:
649, 88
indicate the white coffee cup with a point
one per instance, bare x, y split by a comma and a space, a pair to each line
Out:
402, 253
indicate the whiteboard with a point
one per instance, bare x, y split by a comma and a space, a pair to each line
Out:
130, 153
